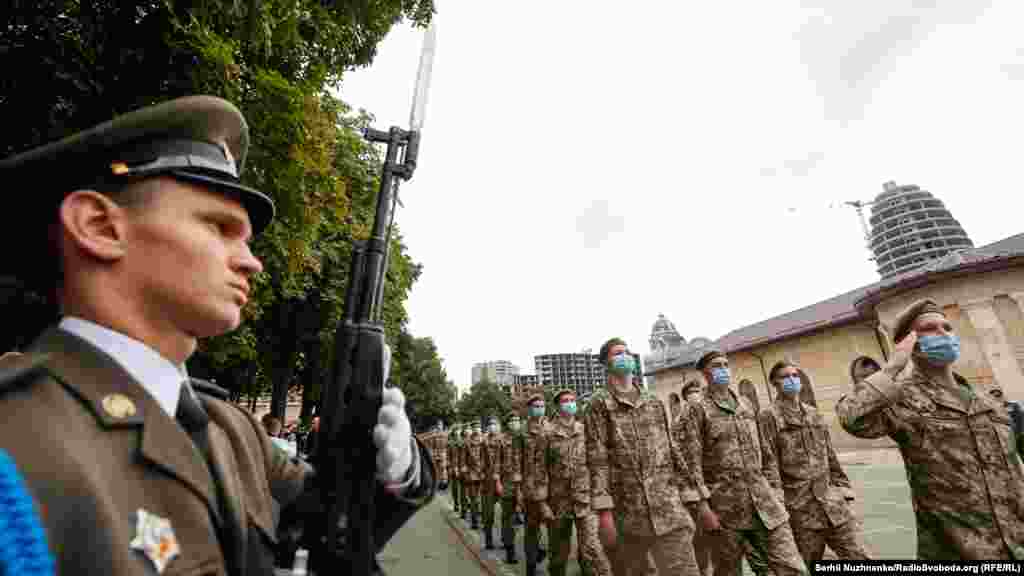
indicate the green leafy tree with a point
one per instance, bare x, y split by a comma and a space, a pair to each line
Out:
417, 370
70, 64
484, 399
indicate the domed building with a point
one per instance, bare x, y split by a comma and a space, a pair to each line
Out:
669, 349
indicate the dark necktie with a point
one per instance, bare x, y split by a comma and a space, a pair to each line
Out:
194, 419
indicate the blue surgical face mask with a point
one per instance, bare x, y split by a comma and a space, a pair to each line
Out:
536, 411
569, 408
791, 384
720, 376
623, 364
940, 349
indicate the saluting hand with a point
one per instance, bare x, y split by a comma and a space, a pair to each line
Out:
901, 355
393, 437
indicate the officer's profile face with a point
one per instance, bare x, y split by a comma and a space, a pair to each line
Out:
188, 259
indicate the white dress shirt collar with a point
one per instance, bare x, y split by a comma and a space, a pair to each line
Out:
157, 375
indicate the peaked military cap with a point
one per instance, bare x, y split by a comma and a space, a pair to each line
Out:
199, 139
905, 320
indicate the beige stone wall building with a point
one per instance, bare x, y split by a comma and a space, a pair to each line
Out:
980, 289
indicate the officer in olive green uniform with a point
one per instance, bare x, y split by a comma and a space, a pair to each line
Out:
512, 444
142, 227
492, 478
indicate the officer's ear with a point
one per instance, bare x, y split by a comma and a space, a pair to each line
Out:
94, 224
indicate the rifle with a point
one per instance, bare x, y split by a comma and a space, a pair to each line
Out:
345, 457
1016, 409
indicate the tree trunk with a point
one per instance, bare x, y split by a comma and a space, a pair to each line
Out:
311, 386
285, 361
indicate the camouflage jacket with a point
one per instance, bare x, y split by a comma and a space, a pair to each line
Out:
568, 477
967, 488
454, 462
738, 469
474, 458
535, 480
816, 487
512, 457
492, 458
637, 465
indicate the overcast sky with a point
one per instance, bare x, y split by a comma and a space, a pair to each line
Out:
586, 166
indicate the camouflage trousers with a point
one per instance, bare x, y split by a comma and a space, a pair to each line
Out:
671, 553
534, 537
776, 546
845, 540
508, 510
488, 500
703, 549
472, 497
592, 558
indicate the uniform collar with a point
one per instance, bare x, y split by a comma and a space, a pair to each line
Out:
156, 374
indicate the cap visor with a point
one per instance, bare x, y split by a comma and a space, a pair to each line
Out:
259, 206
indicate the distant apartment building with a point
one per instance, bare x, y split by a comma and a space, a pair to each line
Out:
583, 371
501, 372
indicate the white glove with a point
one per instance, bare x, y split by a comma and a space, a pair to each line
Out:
393, 437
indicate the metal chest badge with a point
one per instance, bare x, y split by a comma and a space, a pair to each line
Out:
155, 538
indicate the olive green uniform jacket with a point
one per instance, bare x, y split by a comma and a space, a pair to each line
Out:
92, 464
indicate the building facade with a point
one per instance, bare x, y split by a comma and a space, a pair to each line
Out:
501, 372
981, 291
909, 228
583, 371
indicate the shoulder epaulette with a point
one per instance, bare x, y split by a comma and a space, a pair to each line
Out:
210, 389
18, 369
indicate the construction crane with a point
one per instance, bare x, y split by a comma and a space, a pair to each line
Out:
859, 205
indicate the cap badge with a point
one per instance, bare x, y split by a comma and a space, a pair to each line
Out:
118, 406
155, 538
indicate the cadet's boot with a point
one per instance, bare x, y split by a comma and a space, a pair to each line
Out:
488, 538
517, 519
542, 553
510, 555
475, 522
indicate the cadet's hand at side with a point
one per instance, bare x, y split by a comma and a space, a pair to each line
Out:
393, 437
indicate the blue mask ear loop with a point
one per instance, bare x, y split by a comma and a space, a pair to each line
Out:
23, 547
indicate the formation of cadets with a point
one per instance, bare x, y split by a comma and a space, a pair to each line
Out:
695, 488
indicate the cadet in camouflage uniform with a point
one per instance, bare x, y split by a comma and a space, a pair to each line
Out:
535, 488
966, 485
467, 501
639, 471
474, 453
440, 454
741, 471
568, 481
491, 478
454, 441
511, 482
818, 492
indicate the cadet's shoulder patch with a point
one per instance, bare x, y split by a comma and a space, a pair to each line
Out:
18, 369
210, 389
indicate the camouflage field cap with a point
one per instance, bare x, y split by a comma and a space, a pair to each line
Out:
903, 322
562, 392
199, 139
708, 357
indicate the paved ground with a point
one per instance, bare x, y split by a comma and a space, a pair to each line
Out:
883, 503
427, 546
